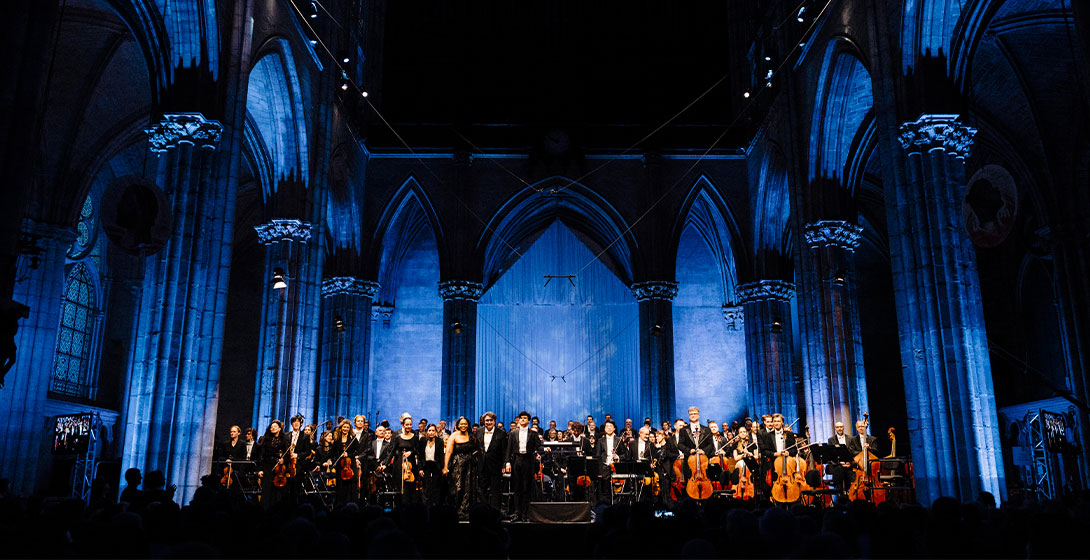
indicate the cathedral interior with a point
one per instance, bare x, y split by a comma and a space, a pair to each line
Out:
225, 212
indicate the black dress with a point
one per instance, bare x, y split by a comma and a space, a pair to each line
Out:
409, 492
463, 476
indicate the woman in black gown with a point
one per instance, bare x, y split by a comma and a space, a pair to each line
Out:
407, 464
460, 464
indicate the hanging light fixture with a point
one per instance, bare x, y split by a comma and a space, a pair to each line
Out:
338, 324
278, 281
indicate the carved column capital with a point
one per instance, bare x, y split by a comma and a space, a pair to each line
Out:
765, 290
655, 289
384, 312
735, 316
835, 233
931, 132
283, 230
176, 128
461, 289
349, 286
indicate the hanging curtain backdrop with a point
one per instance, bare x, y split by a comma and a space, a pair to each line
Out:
709, 357
559, 351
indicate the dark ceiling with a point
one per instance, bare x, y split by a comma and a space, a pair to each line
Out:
570, 65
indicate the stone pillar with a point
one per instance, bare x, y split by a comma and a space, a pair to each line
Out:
656, 312
773, 384
287, 358
172, 391
346, 346
952, 420
459, 391
835, 382
39, 284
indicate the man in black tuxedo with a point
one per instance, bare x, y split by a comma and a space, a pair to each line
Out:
777, 443
523, 445
841, 472
861, 440
608, 450
585, 449
492, 440
300, 444
374, 457
695, 438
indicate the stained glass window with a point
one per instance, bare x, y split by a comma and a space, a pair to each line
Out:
85, 231
70, 371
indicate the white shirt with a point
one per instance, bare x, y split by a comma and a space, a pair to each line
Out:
249, 449
609, 450
695, 428
642, 449
294, 437
862, 442
523, 434
378, 447
842, 440
429, 452
488, 438
779, 441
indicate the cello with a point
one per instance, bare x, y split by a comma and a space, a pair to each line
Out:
698, 487
786, 489
861, 466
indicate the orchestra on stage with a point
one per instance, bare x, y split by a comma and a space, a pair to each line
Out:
767, 462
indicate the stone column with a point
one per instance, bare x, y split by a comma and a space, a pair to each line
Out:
656, 312
459, 391
346, 346
39, 284
773, 383
172, 391
952, 420
835, 382
287, 357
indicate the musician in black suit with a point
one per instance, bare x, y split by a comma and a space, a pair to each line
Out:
642, 449
609, 449
694, 438
841, 472
231, 449
492, 440
523, 445
372, 459
780, 442
862, 440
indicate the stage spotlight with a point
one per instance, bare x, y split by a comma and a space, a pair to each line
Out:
656, 330
278, 281
776, 327
338, 324
802, 10
840, 278
363, 93
344, 86
746, 95
768, 58
456, 327
313, 10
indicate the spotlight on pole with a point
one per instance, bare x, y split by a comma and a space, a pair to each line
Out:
456, 327
278, 281
656, 330
338, 324
839, 277
776, 327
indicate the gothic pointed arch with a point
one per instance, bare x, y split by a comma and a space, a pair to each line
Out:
408, 216
529, 213
842, 112
772, 212
276, 130
708, 214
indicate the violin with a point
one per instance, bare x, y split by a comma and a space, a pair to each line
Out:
345, 462
652, 479
280, 472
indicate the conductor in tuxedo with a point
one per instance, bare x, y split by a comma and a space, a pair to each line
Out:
523, 445
492, 440
694, 438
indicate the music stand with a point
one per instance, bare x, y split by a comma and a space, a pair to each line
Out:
626, 471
